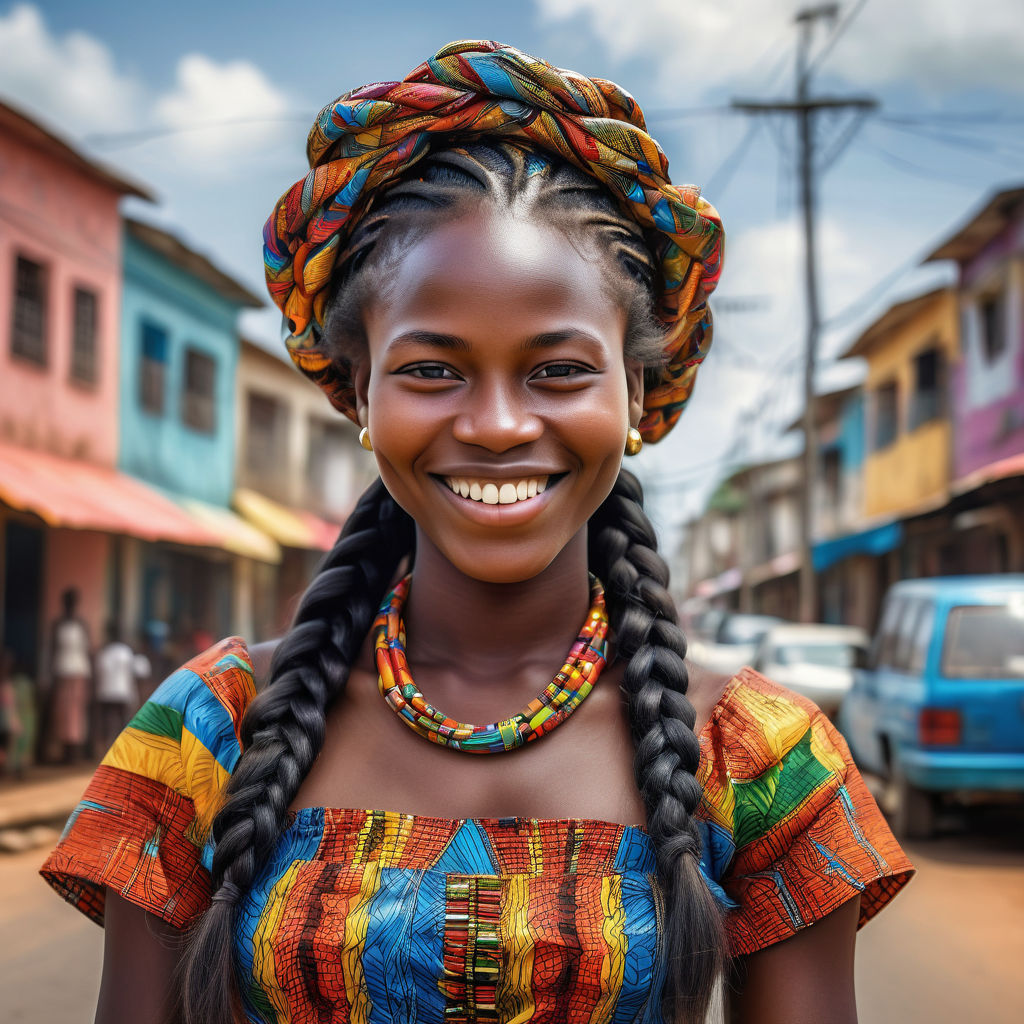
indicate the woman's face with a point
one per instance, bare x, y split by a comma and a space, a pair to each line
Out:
496, 394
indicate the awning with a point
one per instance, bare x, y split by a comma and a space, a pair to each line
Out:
725, 581
1012, 466
82, 496
292, 528
780, 565
877, 540
233, 532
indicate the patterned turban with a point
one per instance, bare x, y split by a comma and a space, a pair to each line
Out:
466, 91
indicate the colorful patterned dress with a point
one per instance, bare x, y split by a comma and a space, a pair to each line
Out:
381, 917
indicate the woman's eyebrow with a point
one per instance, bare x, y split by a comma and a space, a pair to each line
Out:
450, 342
551, 338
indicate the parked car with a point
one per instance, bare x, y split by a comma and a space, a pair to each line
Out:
939, 711
815, 660
733, 642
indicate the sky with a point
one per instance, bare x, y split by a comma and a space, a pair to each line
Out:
209, 108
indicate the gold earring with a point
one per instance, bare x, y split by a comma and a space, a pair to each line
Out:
634, 442
364, 439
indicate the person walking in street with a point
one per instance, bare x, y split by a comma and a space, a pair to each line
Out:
71, 671
489, 270
117, 688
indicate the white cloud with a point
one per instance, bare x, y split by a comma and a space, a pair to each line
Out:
701, 45
71, 81
74, 83
219, 107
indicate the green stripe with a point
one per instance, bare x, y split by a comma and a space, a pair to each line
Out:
158, 720
763, 802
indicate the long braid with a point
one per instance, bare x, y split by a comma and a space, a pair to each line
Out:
282, 733
623, 552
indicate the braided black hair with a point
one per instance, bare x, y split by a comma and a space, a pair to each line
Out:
283, 729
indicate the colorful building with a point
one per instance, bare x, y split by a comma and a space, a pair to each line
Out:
987, 389
179, 357
299, 471
62, 500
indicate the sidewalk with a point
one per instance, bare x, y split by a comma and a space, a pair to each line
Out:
46, 796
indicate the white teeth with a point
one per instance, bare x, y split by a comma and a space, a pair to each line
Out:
495, 493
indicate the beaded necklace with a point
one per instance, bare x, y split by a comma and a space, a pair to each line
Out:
558, 701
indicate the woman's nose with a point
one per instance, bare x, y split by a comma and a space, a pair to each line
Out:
496, 417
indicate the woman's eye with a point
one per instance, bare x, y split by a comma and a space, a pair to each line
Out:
560, 370
429, 371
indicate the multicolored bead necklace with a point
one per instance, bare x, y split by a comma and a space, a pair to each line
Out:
561, 698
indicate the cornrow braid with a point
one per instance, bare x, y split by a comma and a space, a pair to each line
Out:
642, 617
283, 732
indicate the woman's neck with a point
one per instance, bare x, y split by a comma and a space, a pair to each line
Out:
488, 631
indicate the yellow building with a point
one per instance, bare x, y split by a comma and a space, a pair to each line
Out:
908, 351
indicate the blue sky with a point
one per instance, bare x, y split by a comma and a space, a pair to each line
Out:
209, 106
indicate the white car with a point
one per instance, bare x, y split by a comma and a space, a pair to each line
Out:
733, 643
817, 661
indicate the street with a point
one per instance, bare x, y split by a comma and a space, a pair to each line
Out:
947, 950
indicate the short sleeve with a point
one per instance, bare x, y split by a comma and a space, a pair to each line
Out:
141, 825
797, 833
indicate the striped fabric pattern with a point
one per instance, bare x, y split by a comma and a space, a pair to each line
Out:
378, 916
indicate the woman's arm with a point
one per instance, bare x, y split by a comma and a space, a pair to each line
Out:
807, 979
140, 953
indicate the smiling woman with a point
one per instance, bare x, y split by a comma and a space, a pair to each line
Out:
488, 268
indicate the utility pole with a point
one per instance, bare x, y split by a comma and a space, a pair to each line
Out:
804, 107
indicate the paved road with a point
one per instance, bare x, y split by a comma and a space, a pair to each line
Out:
949, 948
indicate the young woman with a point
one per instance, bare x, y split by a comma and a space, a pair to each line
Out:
489, 270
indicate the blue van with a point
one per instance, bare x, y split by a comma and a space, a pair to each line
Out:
938, 710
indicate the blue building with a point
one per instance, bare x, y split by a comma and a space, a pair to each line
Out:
179, 356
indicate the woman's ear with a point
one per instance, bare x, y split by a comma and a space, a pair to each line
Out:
361, 385
635, 390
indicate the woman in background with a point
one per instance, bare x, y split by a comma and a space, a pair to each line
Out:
488, 269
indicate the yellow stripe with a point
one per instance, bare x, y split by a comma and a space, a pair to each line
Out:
205, 778
613, 968
357, 924
514, 996
536, 849
154, 757
263, 967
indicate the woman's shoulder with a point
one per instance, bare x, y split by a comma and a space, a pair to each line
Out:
755, 723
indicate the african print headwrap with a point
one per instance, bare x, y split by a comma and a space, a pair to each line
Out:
467, 90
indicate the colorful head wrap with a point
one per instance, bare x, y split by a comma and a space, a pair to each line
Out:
467, 90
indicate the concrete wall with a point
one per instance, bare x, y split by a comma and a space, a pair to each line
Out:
303, 405
58, 217
161, 449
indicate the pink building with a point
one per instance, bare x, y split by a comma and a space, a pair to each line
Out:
61, 497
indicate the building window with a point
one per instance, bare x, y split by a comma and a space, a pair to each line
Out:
153, 368
264, 443
83, 337
28, 324
928, 402
993, 326
197, 399
831, 474
886, 415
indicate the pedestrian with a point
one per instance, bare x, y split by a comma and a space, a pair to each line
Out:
71, 671
488, 269
117, 689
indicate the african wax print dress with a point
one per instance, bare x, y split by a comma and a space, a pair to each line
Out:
379, 917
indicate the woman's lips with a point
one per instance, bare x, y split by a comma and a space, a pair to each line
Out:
509, 512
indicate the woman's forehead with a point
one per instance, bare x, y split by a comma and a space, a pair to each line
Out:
494, 263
